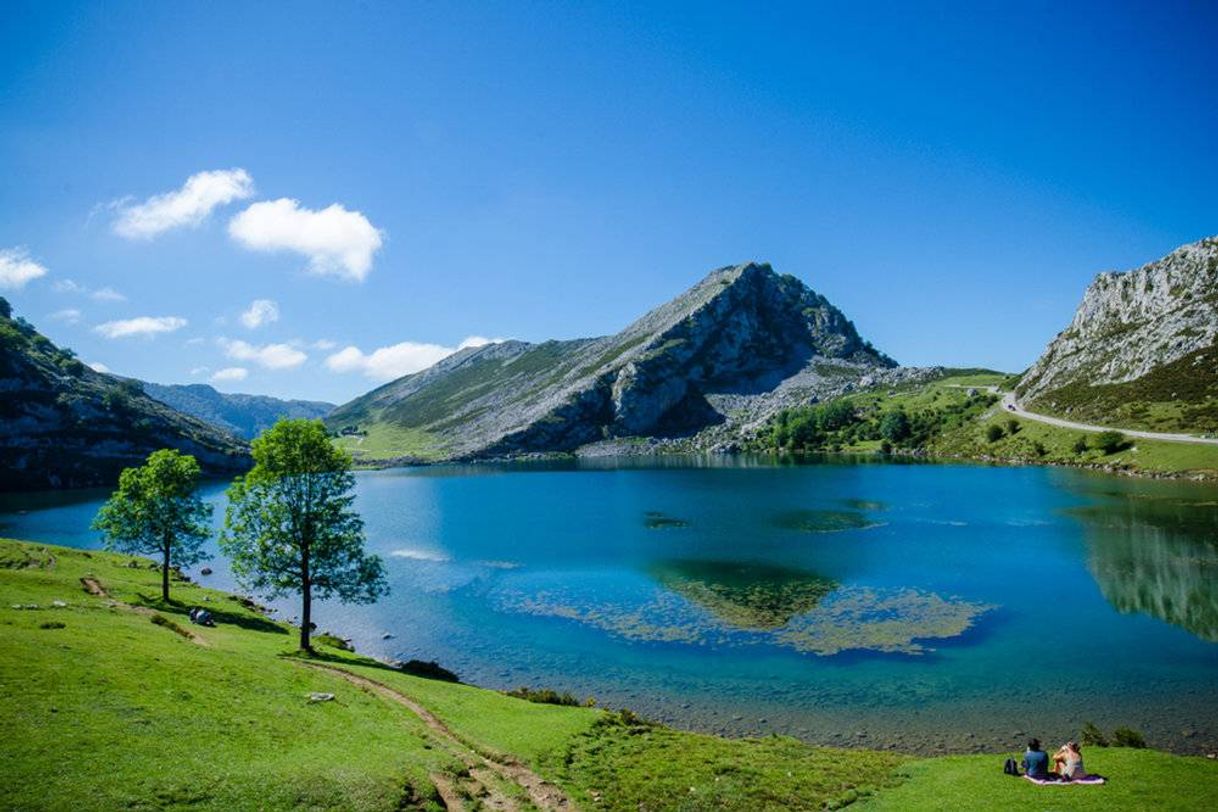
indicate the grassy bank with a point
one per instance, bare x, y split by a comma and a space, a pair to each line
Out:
956, 416
113, 700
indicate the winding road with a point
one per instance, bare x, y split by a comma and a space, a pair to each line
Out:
1011, 406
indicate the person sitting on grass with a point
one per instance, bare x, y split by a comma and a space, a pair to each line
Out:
1069, 761
1036, 761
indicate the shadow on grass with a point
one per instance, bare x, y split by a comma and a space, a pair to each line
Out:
415, 668
221, 617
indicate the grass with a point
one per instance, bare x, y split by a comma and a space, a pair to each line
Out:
106, 707
388, 441
1138, 779
1042, 443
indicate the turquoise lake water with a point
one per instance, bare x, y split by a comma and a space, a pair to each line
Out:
925, 607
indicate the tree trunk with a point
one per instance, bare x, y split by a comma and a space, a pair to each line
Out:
165, 575
306, 598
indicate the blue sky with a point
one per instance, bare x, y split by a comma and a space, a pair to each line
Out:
405, 176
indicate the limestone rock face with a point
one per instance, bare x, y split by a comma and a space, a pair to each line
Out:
1128, 324
741, 343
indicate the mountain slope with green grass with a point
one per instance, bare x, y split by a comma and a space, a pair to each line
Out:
957, 414
64, 425
736, 346
113, 700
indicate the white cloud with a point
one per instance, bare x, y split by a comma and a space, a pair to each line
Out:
188, 206
98, 366
69, 315
99, 295
337, 242
261, 311
271, 356
387, 363
107, 295
140, 326
16, 268
324, 344
196, 371
230, 374
479, 341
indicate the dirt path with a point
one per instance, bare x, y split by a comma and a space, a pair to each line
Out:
1011, 405
485, 772
94, 587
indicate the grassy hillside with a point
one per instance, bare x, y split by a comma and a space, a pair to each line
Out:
114, 700
1178, 397
957, 416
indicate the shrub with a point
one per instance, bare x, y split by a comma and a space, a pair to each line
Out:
1111, 442
334, 641
1128, 737
1080, 445
428, 670
994, 433
894, 426
1092, 736
1013, 427
544, 696
52, 624
1038, 448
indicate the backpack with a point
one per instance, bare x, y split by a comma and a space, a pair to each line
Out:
1009, 767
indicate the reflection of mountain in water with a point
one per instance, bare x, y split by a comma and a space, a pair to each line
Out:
745, 596
1159, 557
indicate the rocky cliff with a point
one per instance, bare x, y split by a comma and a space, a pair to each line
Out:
63, 425
1142, 337
738, 345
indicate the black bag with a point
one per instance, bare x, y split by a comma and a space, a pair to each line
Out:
1010, 767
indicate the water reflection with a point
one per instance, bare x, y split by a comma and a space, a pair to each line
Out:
1157, 556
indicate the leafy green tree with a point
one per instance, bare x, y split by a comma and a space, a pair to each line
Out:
291, 526
994, 432
155, 511
894, 426
1110, 442
1080, 444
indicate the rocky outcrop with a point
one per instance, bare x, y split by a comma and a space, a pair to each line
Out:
1130, 324
743, 336
63, 425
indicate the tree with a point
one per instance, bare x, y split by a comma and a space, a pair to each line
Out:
290, 526
894, 426
1080, 444
155, 511
994, 433
1110, 442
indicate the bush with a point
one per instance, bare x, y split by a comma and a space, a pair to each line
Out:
1128, 737
1080, 445
1038, 448
1111, 442
334, 641
994, 433
545, 696
428, 670
894, 426
1013, 427
1092, 736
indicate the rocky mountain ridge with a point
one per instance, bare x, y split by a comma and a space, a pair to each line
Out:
1131, 322
245, 416
738, 345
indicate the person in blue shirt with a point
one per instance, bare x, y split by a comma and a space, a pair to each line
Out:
1036, 761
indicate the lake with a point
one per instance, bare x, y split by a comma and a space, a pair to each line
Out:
923, 607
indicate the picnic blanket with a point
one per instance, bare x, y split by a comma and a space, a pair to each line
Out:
1053, 782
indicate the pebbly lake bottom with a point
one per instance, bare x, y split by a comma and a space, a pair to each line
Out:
920, 607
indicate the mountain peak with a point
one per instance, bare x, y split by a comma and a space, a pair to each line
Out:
739, 334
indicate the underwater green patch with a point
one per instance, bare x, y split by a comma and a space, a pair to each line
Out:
745, 596
823, 521
654, 520
865, 504
884, 620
